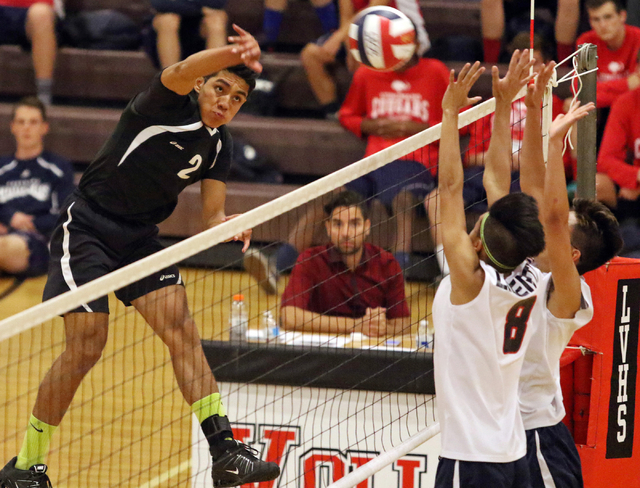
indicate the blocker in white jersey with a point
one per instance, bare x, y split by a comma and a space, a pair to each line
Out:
477, 358
481, 313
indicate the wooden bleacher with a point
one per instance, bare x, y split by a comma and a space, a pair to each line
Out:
88, 80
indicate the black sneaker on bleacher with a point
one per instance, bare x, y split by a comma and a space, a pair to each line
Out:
34, 477
239, 465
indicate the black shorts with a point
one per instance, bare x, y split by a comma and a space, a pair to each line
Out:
88, 243
13, 21
186, 8
553, 458
468, 474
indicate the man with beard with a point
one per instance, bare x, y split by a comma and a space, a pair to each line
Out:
347, 285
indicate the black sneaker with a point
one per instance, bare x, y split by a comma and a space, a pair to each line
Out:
34, 477
239, 465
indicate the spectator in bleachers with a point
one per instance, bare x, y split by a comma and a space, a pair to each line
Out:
32, 24
618, 45
618, 177
33, 185
167, 19
274, 12
502, 20
384, 108
348, 285
319, 57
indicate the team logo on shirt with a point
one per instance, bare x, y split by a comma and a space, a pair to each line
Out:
25, 174
25, 188
400, 86
174, 143
622, 397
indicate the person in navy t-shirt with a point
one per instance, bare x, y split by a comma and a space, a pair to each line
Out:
33, 184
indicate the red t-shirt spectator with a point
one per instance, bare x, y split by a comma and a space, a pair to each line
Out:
621, 137
23, 3
614, 66
415, 94
320, 282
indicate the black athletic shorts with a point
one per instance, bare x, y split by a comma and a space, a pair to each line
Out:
88, 243
553, 458
467, 474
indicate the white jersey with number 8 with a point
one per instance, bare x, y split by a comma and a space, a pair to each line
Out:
478, 355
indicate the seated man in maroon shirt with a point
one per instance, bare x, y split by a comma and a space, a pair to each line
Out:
348, 285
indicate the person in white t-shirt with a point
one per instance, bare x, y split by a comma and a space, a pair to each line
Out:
578, 239
481, 312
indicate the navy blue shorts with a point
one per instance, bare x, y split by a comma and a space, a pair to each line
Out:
186, 8
386, 182
467, 474
88, 243
13, 21
553, 458
473, 193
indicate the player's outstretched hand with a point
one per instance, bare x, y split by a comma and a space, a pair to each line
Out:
457, 95
244, 236
248, 48
535, 92
505, 89
563, 122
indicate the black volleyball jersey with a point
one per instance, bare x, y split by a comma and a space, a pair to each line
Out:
159, 147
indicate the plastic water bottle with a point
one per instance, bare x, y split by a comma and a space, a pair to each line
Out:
422, 334
270, 327
238, 319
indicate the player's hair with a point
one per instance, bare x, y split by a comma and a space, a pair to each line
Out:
30, 102
595, 4
512, 231
522, 41
242, 71
347, 199
596, 234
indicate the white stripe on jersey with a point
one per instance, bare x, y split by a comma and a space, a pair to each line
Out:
50, 166
411, 8
8, 167
65, 262
547, 478
154, 130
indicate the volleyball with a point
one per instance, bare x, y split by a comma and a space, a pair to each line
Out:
382, 38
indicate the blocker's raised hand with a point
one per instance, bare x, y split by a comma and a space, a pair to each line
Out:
505, 89
457, 95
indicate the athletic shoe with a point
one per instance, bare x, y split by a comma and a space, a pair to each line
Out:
34, 477
239, 465
258, 265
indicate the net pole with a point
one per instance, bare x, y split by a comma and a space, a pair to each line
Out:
587, 127
386, 458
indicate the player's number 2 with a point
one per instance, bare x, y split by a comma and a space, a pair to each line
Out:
516, 325
195, 163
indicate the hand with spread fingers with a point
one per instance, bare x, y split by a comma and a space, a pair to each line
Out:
248, 48
505, 89
457, 95
535, 91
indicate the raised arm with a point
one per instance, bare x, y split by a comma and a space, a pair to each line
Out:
565, 299
181, 77
466, 274
497, 172
532, 164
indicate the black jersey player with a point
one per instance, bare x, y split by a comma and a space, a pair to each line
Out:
168, 137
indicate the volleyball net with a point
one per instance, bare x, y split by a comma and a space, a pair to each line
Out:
319, 404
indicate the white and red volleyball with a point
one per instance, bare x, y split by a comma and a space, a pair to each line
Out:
382, 38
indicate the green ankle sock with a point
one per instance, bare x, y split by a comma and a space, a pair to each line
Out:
36, 443
209, 406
